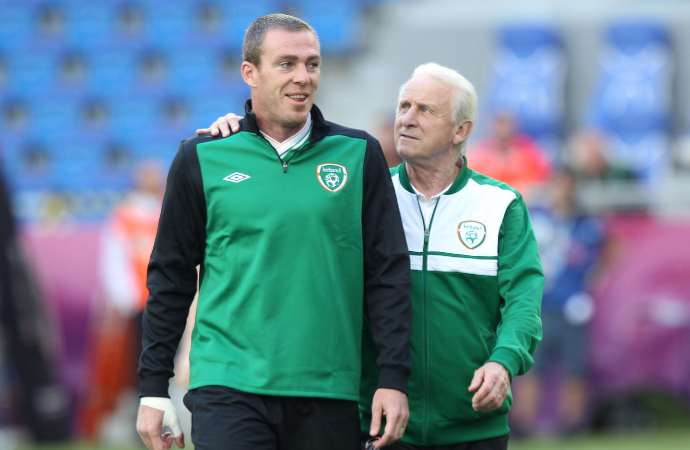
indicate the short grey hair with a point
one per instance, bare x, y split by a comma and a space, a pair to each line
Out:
253, 38
463, 104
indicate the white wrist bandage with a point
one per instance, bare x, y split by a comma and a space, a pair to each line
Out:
170, 419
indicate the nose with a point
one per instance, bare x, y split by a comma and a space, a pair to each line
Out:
301, 76
409, 117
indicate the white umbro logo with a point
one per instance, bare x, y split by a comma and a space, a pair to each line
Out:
236, 177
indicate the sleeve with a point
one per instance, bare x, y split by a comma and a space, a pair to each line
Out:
172, 274
521, 286
387, 279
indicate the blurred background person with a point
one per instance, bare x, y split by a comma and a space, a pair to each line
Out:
127, 240
570, 245
589, 158
30, 388
510, 156
384, 134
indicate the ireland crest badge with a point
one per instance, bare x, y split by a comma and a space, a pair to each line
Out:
471, 233
331, 176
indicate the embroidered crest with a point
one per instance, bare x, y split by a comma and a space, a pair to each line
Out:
331, 176
471, 233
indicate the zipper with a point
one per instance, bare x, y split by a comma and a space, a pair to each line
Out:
280, 160
425, 327
285, 162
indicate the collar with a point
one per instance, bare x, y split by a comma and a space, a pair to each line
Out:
422, 198
293, 141
319, 128
458, 184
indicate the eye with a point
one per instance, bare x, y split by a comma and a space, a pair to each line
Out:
425, 109
286, 65
404, 107
314, 65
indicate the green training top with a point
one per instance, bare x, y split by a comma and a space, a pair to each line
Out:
291, 252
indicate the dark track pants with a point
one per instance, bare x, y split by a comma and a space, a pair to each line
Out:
228, 419
499, 443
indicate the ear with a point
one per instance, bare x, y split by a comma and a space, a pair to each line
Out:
249, 72
463, 131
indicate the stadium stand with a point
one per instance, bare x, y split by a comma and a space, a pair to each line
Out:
117, 81
632, 103
528, 74
335, 21
238, 17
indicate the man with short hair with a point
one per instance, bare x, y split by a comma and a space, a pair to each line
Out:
291, 265
477, 279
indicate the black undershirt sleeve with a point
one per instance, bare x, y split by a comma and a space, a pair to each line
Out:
172, 274
387, 279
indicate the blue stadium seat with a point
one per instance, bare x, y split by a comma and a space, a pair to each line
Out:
131, 117
633, 100
218, 101
49, 27
116, 168
336, 22
54, 117
129, 27
90, 24
18, 125
32, 72
11, 160
239, 15
525, 40
631, 37
168, 23
208, 33
191, 70
159, 144
528, 81
112, 71
76, 164
22, 175
16, 24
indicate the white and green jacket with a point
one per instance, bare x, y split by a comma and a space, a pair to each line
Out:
477, 285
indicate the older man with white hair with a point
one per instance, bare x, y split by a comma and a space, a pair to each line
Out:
477, 279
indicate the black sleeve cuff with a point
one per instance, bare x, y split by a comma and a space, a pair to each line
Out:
394, 378
154, 387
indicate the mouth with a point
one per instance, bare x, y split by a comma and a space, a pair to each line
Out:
405, 136
298, 98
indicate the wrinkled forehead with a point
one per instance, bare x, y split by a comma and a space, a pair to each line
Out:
427, 91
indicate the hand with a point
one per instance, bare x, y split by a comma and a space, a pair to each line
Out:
150, 423
392, 404
223, 125
493, 382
